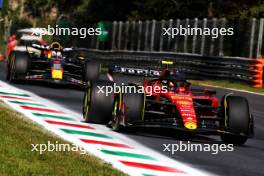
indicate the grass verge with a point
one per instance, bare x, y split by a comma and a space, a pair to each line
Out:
228, 84
16, 157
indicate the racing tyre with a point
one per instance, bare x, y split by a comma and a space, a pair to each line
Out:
117, 113
91, 71
131, 110
8, 69
18, 65
97, 105
237, 120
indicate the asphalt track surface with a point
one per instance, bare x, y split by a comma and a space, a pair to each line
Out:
245, 160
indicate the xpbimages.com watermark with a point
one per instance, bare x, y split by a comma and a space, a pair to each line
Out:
184, 31
56, 147
108, 90
192, 147
64, 31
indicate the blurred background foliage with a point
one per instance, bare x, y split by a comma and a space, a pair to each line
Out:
95, 10
40, 13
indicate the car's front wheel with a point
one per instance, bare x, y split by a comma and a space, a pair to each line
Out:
18, 65
128, 109
237, 121
91, 71
97, 103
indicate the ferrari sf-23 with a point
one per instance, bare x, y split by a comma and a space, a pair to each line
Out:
51, 63
181, 107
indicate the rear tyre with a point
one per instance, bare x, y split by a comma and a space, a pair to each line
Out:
97, 105
237, 120
18, 65
91, 71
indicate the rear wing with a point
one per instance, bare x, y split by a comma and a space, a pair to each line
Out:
148, 72
151, 72
139, 71
135, 71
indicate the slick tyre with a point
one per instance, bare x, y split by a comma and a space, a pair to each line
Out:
18, 66
128, 108
237, 120
7, 70
118, 113
134, 106
91, 71
97, 105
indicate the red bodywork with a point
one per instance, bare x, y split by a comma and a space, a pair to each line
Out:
183, 98
12, 43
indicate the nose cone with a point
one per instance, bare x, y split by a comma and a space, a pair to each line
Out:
185, 106
190, 125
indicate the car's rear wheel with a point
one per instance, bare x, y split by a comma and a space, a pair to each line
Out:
237, 120
91, 71
18, 66
98, 105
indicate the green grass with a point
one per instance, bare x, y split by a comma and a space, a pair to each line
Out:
228, 84
16, 157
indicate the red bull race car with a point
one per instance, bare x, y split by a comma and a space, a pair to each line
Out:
51, 63
168, 101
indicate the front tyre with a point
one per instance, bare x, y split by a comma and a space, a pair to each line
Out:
8, 68
91, 71
128, 109
97, 105
237, 120
18, 65
118, 113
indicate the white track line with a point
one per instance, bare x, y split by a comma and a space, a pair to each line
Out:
139, 147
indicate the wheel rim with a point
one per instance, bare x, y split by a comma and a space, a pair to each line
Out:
87, 101
12, 70
115, 121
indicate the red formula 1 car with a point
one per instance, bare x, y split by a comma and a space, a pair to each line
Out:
169, 101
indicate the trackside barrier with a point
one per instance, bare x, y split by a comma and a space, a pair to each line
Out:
142, 43
194, 66
258, 83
